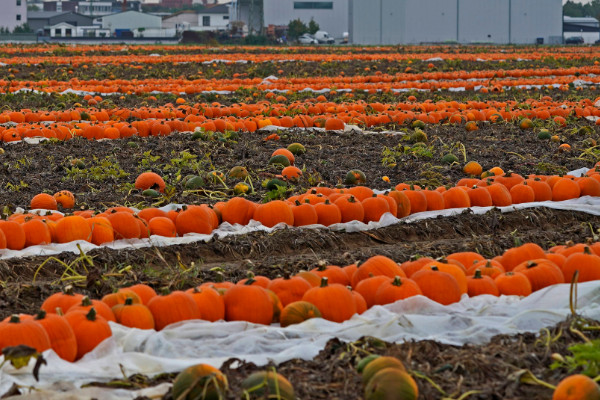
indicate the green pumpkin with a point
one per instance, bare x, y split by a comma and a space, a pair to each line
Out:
449, 158
279, 159
200, 382
238, 172
273, 183
194, 183
296, 148
297, 312
355, 177
151, 193
267, 385
391, 383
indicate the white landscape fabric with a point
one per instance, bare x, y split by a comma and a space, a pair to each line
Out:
587, 204
472, 320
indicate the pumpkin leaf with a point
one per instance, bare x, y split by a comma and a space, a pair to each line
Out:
19, 357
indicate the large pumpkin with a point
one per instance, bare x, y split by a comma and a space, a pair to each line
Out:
334, 301
297, 312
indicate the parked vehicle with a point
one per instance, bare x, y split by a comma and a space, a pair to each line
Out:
574, 40
307, 38
324, 38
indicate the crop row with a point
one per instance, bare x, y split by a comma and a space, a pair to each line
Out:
332, 292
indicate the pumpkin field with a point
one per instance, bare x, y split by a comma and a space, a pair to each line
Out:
402, 222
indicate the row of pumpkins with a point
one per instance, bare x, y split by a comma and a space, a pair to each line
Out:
319, 205
332, 292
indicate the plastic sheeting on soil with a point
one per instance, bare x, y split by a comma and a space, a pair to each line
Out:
587, 204
473, 320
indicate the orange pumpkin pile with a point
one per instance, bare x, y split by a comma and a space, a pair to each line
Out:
332, 292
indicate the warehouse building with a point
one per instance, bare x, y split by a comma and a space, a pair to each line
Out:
455, 21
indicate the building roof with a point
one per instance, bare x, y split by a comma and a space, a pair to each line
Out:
576, 20
129, 11
216, 9
179, 13
44, 14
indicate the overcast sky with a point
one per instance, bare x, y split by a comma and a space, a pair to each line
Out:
578, 1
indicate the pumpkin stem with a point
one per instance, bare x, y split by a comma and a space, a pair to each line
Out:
434, 268
40, 315
531, 264
324, 281
351, 199
59, 311
91, 316
297, 203
397, 281
129, 301
488, 264
14, 319
586, 250
509, 273
86, 301
68, 290
477, 274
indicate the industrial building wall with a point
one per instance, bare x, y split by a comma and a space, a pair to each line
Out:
483, 21
334, 20
429, 21
532, 19
478, 21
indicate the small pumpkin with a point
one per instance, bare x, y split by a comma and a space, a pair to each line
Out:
267, 385
201, 381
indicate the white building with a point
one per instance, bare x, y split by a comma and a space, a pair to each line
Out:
462, 21
588, 28
130, 21
66, 30
331, 15
14, 13
95, 8
181, 21
214, 18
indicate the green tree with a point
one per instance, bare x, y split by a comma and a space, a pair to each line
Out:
22, 29
313, 27
572, 9
296, 28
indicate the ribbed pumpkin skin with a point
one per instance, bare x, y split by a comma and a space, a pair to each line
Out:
102, 230
194, 219
101, 308
61, 300
73, 228
289, 290
61, 335
368, 288
334, 301
238, 210
27, 332
378, 364
377, 265
541, 273
274, 212
89, 333
516, 255
396, 289
145, 292
134, 316
174, 307
513, 283
210, 303
148, 180
36, 232
203, 379
14, 234
265, 385
162, 226
124, 224
120, 296
43, 201
577, 387
248, 303
588, 266
391, 383
297, 312
438, 286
